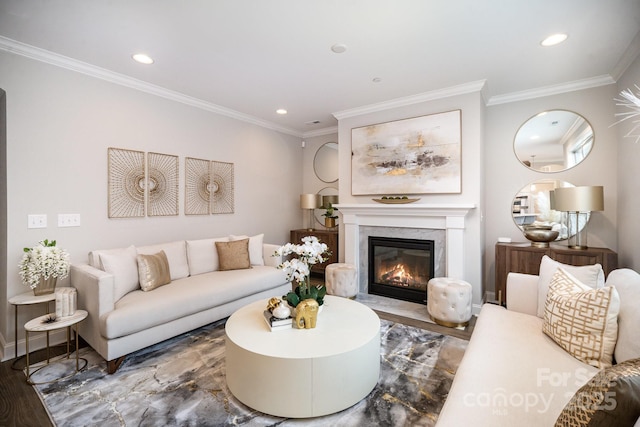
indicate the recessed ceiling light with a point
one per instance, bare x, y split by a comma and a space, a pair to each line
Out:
281, 111
554, 39
142, 58
339, 48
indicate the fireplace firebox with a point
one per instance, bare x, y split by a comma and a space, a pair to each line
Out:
400, 268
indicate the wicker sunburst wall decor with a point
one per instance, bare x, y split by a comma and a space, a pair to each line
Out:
196, 186
222, 200
162, 188
125, 183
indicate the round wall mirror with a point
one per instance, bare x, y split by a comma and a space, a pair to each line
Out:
325, 162
533, 207
319, 213
553, 141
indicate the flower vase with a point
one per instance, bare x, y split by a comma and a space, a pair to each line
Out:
45, 286
329, 222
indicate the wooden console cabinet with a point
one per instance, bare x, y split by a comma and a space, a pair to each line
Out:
524, 258
329, 237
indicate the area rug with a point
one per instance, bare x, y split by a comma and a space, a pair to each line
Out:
181, 382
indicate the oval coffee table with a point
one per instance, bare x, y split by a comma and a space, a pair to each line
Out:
302, 373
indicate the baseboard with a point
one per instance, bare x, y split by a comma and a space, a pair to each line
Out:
37, 341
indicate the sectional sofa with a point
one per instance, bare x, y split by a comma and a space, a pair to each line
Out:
513, 374
132, 304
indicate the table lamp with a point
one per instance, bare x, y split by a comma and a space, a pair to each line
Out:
578, 202
310, 202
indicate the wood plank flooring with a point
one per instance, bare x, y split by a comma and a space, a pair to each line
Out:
20, 406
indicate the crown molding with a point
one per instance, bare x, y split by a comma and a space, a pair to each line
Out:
630, 54
320, 132
462, 89
551, 90
32, 52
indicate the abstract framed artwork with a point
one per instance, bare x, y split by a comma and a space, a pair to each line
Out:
197, 193
222, 188
420, 155
162, 184
126, 183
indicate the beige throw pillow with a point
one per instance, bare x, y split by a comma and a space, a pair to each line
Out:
583, 321
255, 247
233, 255
122, 265
153, 271
590, 275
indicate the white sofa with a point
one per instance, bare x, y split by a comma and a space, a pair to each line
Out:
125, 319
513, 374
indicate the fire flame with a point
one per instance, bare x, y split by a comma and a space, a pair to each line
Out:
397, 275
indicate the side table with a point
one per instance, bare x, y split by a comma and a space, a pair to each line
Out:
40, 324
27, 298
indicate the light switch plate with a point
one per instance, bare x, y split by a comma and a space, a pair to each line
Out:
37, 221
68, 220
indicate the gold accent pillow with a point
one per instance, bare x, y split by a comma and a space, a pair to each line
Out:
233, 255
583, 321
153, 271
610, 398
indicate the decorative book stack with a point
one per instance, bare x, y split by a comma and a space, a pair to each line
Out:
66, 302
276, 324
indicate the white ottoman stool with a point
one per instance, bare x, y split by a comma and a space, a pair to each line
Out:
341, 280
449, 301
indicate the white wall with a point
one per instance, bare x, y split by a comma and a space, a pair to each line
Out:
472, 154
628, 178
310, 182
505, 175
60, 124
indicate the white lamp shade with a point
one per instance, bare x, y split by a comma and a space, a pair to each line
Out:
579, 199
310, 201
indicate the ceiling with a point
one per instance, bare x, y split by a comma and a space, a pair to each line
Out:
255, 56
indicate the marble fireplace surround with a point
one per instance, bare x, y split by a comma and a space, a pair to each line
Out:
443, 223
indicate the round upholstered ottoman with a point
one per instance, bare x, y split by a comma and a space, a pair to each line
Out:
341, 280
449, 301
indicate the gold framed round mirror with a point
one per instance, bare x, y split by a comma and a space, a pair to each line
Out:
553, 141
325, 162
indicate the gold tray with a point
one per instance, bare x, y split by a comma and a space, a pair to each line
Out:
395, 201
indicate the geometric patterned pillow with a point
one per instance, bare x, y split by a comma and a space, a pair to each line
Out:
610, 398
583, 321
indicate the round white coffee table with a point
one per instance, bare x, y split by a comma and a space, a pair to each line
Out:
302, 373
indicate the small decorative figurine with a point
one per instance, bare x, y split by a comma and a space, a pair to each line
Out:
273, 303
282, 311
307, 314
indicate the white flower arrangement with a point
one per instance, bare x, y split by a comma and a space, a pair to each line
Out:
298, 269
311, 252
43, 261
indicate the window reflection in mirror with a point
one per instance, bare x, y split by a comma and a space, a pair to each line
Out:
553, 141
532, 207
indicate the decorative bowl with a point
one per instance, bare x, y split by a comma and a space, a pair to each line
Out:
541, 237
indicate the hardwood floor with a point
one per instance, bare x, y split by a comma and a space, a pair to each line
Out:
20, 406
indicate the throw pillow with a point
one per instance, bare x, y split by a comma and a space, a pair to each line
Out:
590, 275
233, 255
583, 321
255, 247
202, 255
176, 253
124, 268
610, 398
153, 271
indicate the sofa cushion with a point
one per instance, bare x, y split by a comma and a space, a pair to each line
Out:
122, 264
203, 256
153, 271
255, 247
627, 283
176, 255
511, 374
590, 275
582, 320
233, 255
611, 398
138, 310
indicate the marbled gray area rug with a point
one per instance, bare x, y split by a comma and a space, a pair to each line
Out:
181, 382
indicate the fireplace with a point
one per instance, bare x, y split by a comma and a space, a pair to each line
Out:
400, 268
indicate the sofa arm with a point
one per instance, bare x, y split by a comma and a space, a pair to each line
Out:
268, 250
522, 293
95, 289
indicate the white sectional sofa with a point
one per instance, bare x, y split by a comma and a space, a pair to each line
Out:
512, 374
123, 318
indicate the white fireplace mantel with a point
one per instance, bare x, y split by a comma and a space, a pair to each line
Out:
449, 217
